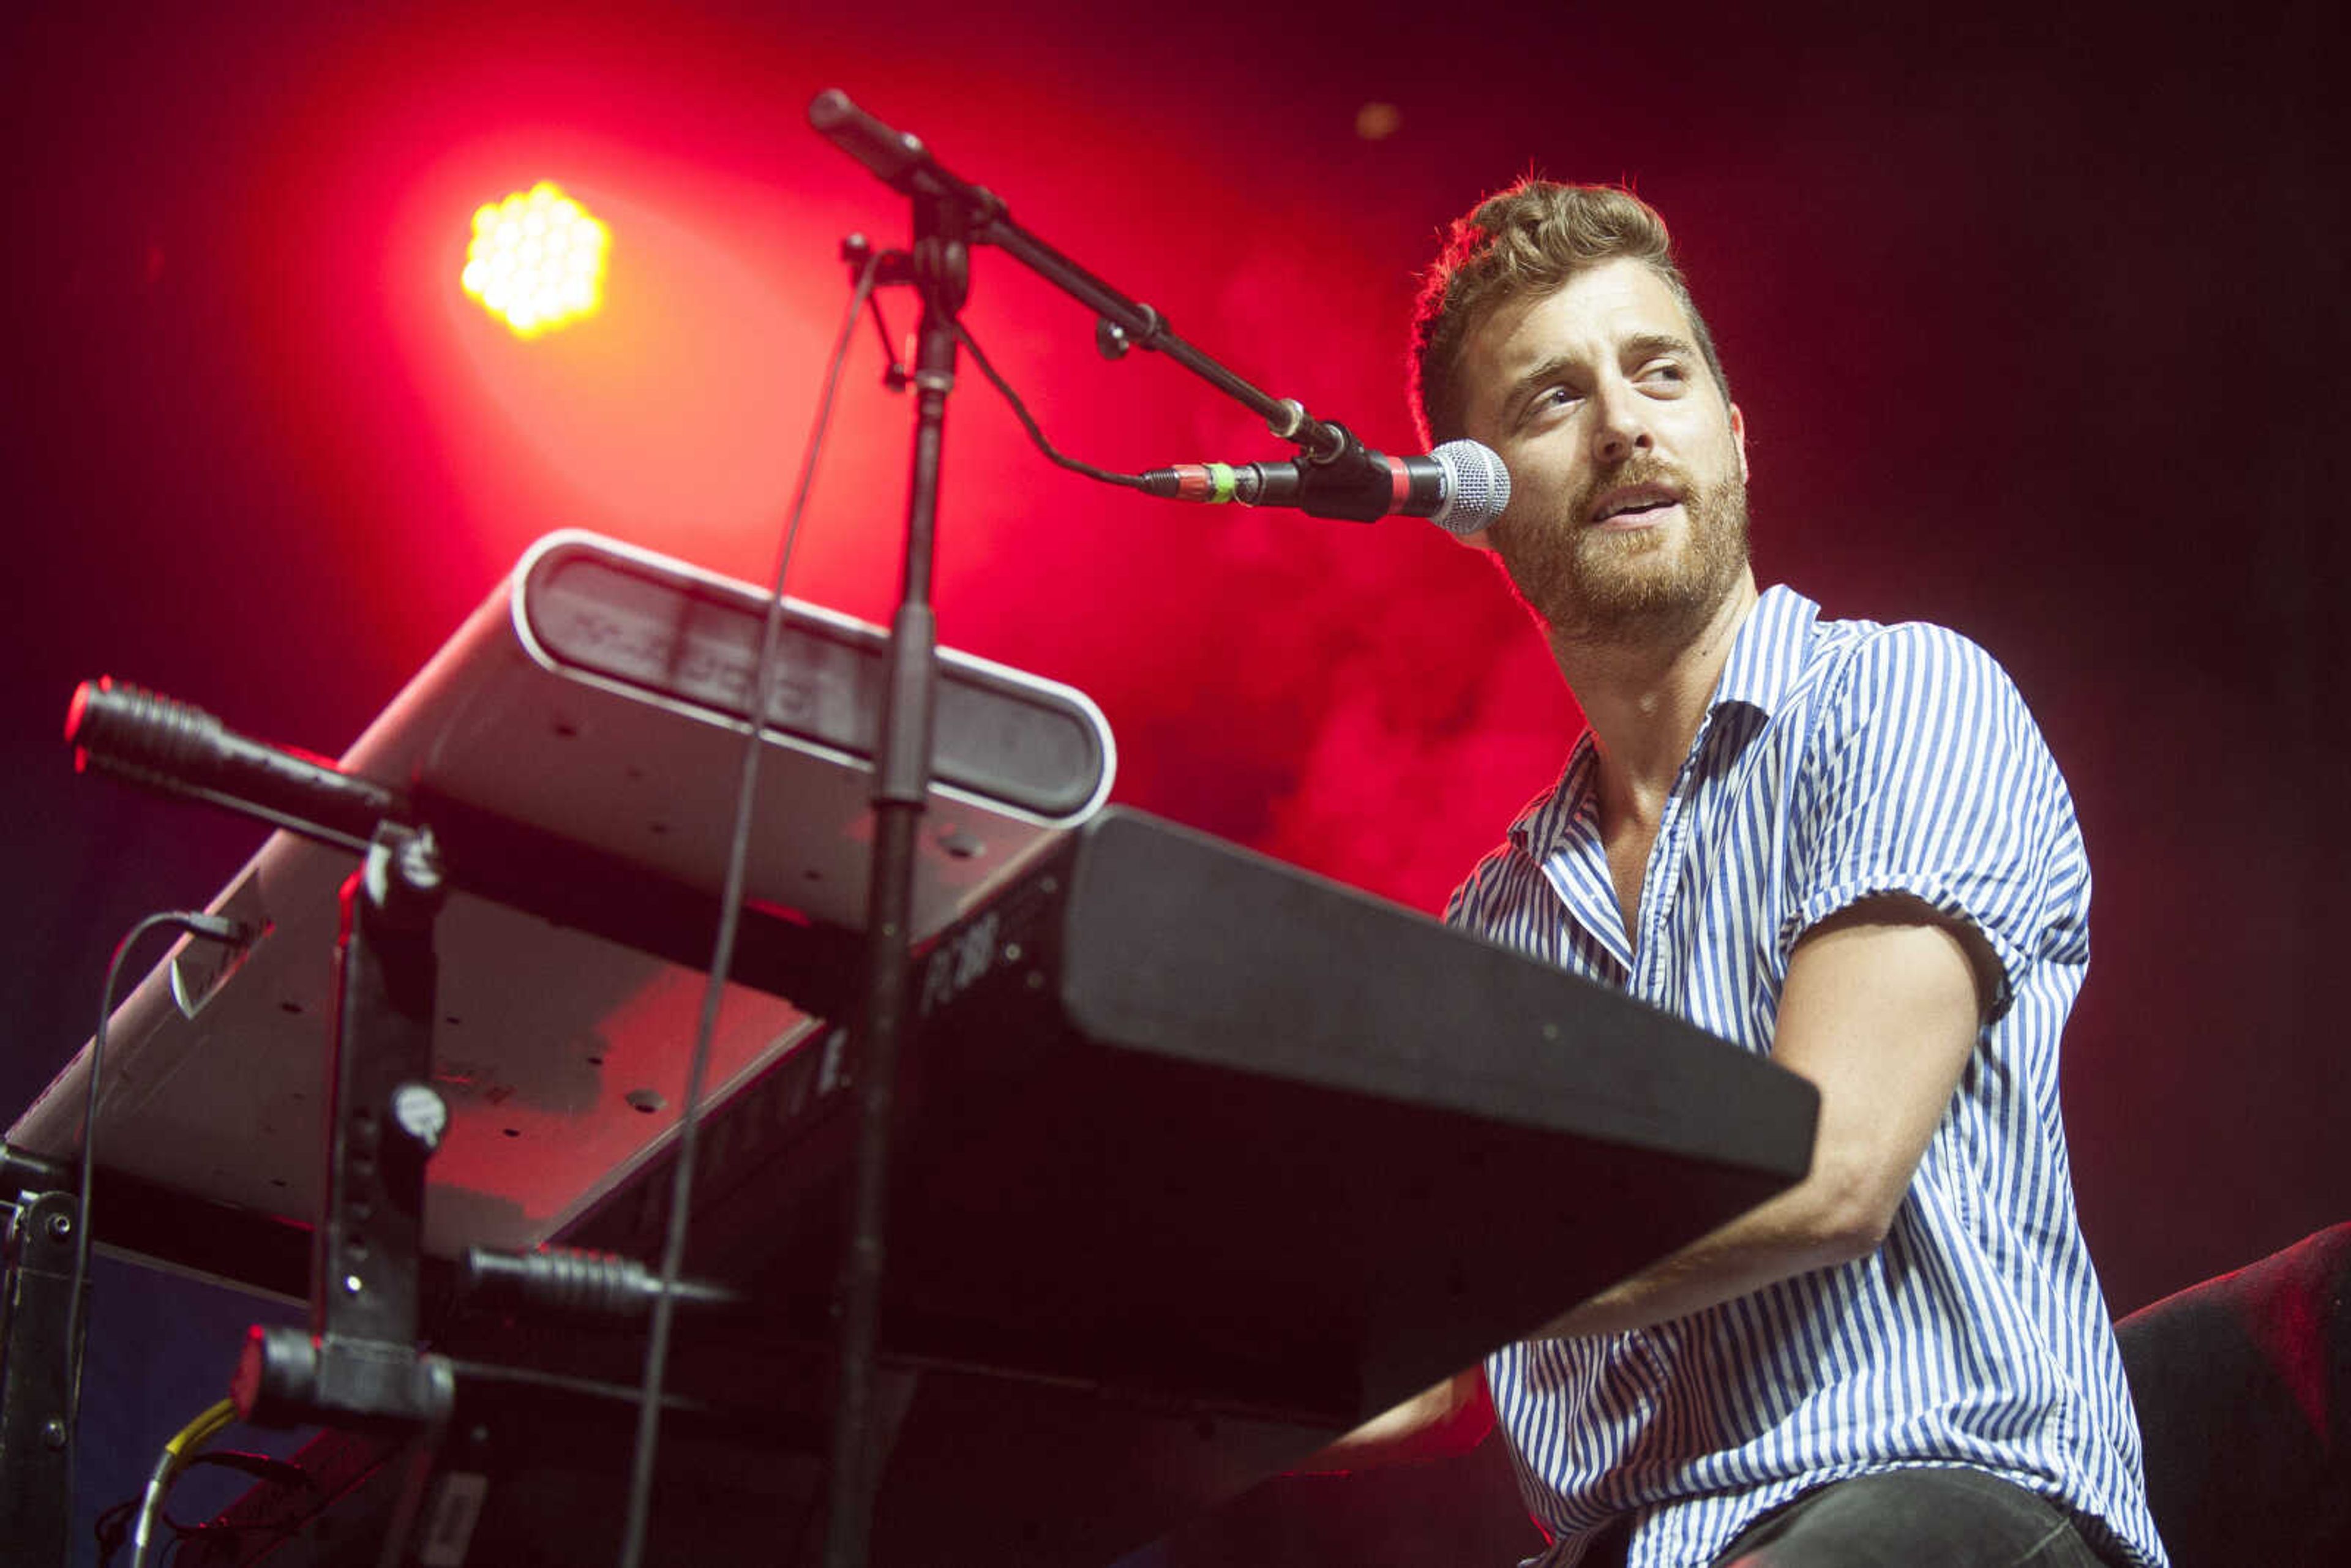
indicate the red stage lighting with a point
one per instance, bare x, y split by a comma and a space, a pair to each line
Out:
536, 260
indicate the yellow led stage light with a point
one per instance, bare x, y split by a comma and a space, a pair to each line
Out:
536, 260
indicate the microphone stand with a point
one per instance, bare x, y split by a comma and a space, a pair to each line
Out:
939, 267
950, 215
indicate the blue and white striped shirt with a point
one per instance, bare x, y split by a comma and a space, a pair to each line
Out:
1837, 760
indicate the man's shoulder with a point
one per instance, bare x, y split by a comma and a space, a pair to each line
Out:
1915, 726
1919, 666
1841, 643
1789, 657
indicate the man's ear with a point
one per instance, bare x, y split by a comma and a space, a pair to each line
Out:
1739, 435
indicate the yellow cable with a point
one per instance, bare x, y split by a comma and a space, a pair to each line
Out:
183, 1448
215, 1421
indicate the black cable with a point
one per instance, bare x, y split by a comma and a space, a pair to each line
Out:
895, 375
211, 928
112, 1528
1036, 433
260, 1467
722, 959
112, 1525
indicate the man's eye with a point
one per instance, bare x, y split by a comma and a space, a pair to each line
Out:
1669, 372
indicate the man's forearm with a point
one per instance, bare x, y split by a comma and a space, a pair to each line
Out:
1880, 1010
1792, 1234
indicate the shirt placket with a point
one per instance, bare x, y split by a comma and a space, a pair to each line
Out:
1577, 870
1651, 967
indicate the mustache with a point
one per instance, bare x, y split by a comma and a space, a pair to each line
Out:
1640, 469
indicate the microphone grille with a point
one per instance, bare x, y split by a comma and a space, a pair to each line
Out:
1477, 486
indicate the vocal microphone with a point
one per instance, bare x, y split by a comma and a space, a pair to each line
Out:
1461, 487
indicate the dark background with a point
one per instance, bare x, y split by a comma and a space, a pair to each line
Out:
2036, 314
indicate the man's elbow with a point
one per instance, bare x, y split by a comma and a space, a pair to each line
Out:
1848, 1214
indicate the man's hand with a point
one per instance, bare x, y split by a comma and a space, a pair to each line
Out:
1448, 1418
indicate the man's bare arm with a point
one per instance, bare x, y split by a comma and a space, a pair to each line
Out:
1881, 1009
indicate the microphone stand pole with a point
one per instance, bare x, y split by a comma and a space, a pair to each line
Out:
950, 215
901, 773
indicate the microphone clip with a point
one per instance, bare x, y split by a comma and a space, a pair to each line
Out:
1345, 479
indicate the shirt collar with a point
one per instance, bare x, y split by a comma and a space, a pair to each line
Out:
1766, 652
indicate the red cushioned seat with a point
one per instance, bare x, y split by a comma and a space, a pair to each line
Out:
2243, 1388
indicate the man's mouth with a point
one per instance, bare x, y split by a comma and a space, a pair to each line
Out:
1633, 505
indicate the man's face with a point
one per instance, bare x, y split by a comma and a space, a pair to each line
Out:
1628, 469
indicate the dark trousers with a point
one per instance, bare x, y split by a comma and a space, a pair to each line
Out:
1932, 1518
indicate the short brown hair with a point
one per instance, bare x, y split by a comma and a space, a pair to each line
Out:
1528, 239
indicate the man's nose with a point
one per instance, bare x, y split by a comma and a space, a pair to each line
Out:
1623, 427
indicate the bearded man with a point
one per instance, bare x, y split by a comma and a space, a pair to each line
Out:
1840, 844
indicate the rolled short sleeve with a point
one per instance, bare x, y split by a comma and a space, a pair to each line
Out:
1925, 776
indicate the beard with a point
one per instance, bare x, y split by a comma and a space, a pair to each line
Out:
1589, 585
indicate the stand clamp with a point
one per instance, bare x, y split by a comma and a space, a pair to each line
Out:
357, 1364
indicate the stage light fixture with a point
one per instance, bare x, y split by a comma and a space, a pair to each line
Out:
536, 260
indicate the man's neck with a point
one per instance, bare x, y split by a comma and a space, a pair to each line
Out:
1645, 699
